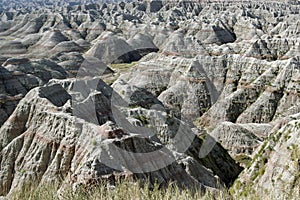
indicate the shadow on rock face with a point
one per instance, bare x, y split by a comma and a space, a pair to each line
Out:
56, 94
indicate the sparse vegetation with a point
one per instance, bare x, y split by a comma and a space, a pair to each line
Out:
122, 191
119, 69
243, 159
135, 190
94, 142
142, 118
122, 67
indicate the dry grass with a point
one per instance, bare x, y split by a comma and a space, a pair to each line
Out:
122, 191
135, 191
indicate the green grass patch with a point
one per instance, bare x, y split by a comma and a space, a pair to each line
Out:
122, 66
243, 159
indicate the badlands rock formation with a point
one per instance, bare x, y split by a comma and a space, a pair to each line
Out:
42, 140
162, 90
